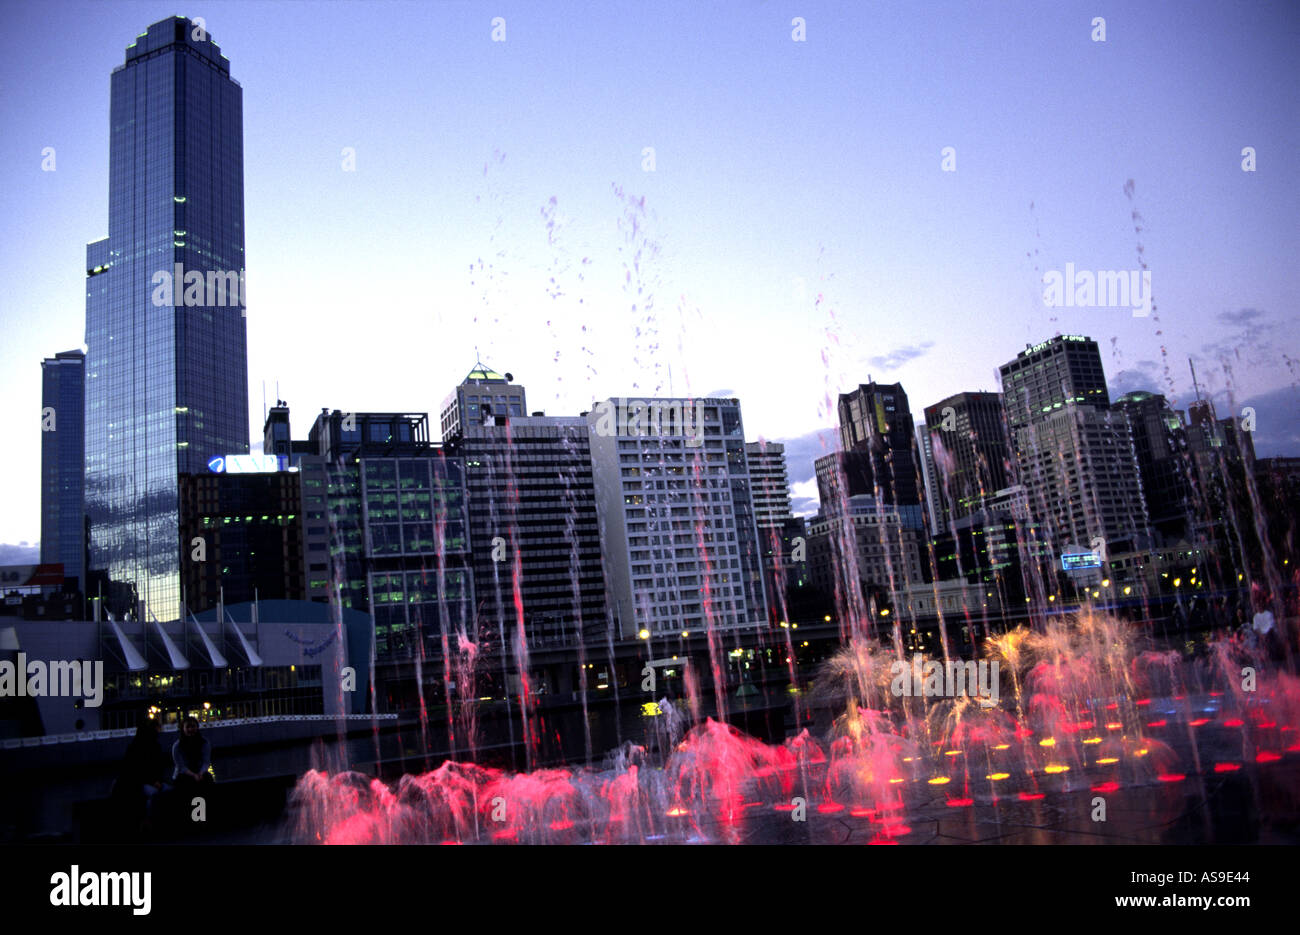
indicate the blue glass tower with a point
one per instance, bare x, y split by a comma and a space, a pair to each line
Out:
167, 362
63, 449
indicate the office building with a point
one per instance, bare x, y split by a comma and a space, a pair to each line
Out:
63, 465
166, 361
876, 423
1075, 458
966, 447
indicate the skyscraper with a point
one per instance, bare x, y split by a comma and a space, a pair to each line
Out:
967, 452
167, 363
679, 543
1074, 457
63, 440
876, 421
1045, 376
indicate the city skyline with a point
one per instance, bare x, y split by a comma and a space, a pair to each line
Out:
506, 217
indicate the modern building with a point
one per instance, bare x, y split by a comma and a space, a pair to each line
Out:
870, 549
777, 526
63, 465
386, 528
1081, 479
1160, 444
166, 361
770, 484
241, 538
1075, 458
1044, 377
967, 450
483, 398
679, 540
533, 522
876, 421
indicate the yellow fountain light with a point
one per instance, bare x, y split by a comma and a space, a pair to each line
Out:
1142, 752
1056, 768
1002, 746
827, 618
885, 612
1092, 740
651, 709
685, 633
1047, 742
939, 781
998, 777
644, 635
1127, 589
1108, 760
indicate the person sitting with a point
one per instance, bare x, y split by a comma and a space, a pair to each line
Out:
192, 756
142, 774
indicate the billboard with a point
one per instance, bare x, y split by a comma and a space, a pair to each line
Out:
247, 464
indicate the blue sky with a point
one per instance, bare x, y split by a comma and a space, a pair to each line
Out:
796, 236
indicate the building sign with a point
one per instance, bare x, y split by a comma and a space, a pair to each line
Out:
247, 464
1080, 561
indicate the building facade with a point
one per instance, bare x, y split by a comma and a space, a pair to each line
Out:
679, 540
63, 465
166, 365
1075, 458
967, 452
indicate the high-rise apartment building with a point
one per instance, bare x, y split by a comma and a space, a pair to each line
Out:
1075, 458
63, 465
679, 540
769, 483
166, 365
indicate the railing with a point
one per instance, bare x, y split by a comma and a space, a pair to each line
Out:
82, 736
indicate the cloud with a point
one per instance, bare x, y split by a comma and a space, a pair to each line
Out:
901, 355
21, 553
1277, 421
1246, 335
1143, 375
800, 453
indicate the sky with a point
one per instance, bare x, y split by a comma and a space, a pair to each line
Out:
771, 200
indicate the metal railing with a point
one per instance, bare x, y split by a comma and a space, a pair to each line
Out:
121, 732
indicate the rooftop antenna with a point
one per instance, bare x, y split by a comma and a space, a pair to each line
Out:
1194, 384
264, 400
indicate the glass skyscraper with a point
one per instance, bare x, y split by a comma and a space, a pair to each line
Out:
63, 441
167, 363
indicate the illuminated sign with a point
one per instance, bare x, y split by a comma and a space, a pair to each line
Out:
1065, 337
247, 464
1080, 561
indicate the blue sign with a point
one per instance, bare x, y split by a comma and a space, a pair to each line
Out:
1080, 561
217, 464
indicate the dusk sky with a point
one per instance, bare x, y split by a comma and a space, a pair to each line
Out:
798, 233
